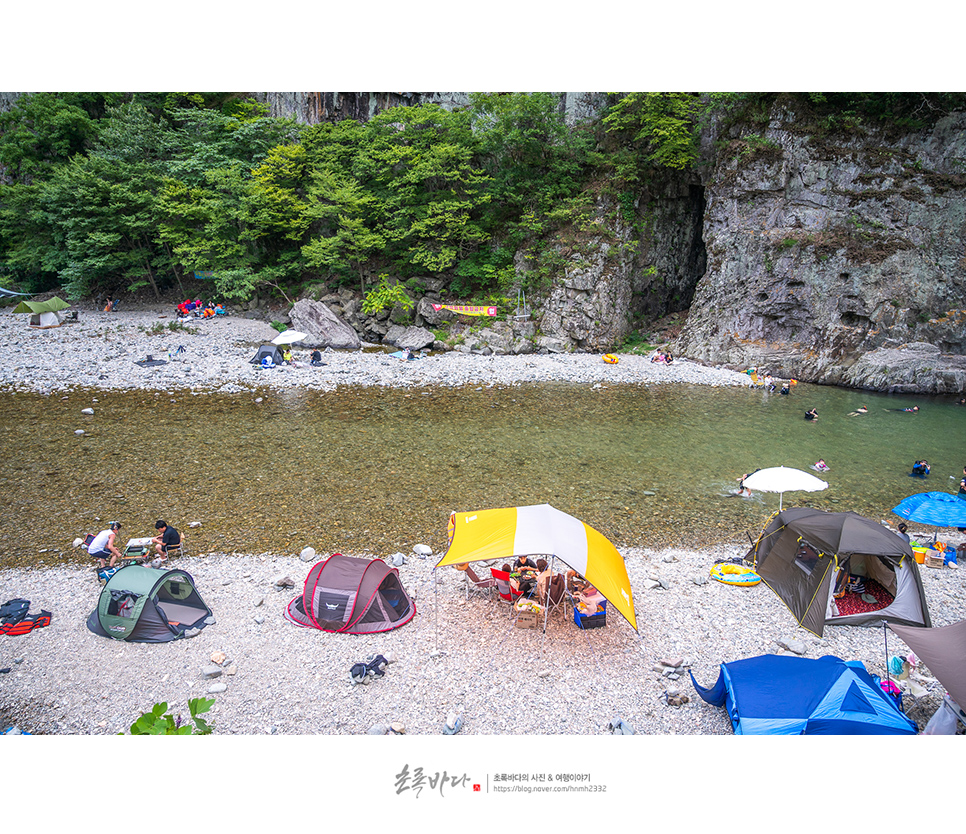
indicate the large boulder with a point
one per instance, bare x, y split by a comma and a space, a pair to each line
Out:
414, 338
322, 327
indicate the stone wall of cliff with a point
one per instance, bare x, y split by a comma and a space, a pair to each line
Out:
636, 269
313, 108
839, 260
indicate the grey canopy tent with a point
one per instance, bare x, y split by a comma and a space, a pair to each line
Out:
801, 553
943, 650
144, 605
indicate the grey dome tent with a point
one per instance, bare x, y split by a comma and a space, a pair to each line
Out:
351, 596
271, 351
144, 605
801, 552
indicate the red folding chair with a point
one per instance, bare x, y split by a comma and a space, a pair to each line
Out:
503, 587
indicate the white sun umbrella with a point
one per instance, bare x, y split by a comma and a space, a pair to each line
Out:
287, 337
782, 479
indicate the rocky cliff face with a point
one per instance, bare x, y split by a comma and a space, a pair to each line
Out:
642, 267
312, 108
833, 259
836, 260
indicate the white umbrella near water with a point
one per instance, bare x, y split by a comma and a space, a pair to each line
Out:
782, 479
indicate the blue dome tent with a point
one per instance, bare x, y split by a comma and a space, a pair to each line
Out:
784, 695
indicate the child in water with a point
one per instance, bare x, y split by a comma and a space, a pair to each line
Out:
821, 465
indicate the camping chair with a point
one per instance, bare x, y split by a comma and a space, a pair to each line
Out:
504, 589
178, 549
475, 583
556, 596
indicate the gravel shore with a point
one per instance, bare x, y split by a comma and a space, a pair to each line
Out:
101, 350
458, 657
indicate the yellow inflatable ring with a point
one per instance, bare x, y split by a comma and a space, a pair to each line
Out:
610, 359
734, 575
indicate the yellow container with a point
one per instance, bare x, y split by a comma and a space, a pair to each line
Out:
919, 553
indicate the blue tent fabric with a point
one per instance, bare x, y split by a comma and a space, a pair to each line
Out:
784, 695
938, 509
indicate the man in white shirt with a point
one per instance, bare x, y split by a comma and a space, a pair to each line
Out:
104, 546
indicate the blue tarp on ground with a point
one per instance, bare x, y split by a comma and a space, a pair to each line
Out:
783, 695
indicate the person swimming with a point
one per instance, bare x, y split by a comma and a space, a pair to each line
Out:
920, 469
811, 414
821, 465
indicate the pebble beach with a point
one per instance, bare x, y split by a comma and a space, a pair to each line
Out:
102, 351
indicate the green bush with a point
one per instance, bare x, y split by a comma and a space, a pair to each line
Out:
159, 722
385, 295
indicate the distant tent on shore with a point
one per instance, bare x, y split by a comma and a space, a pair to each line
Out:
271, 352
43, 313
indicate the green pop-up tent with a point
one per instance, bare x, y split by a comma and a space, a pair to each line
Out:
143, 605
43, 313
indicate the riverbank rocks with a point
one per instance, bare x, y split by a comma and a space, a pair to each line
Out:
322, 327
822, 291
675, 698
794, 646
422, 550
414, 338
87, 411
307, 554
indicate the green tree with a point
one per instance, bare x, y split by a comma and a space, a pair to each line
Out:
661, 125
403, 189
232, 202
40, 131
534, 158
343, 209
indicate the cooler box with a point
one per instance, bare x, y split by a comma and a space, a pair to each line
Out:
596, 620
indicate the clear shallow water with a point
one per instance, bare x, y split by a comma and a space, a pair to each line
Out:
379, 470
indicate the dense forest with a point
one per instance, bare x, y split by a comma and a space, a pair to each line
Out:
102, 193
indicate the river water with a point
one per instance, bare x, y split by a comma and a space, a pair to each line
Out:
377, 470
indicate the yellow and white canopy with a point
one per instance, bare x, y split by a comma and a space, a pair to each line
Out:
542, 530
